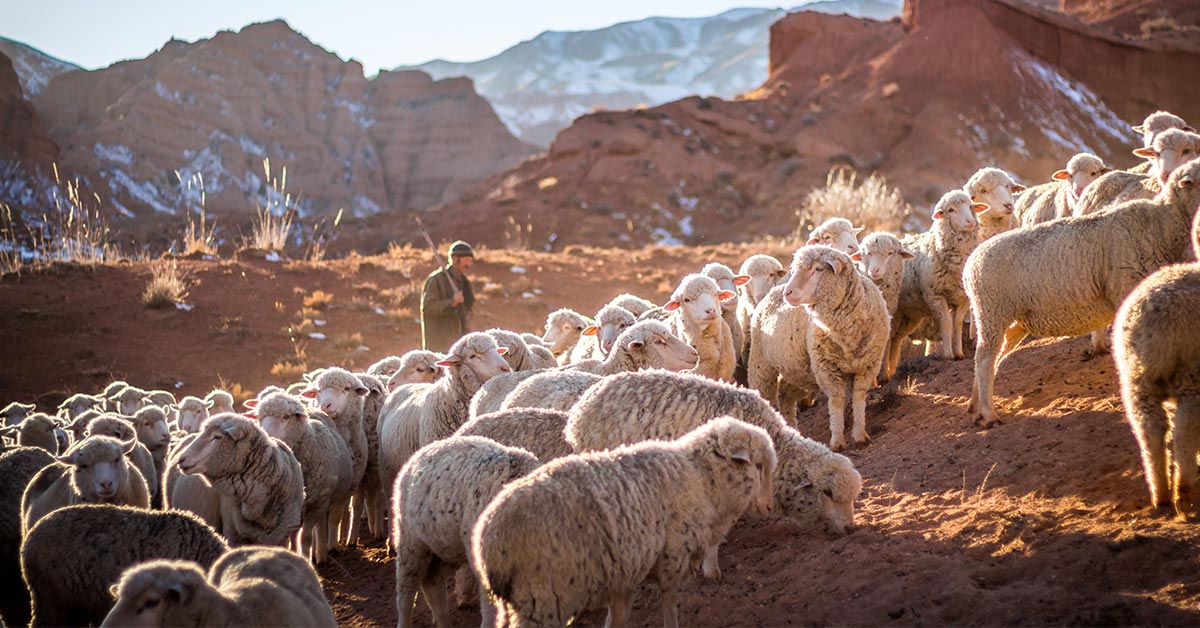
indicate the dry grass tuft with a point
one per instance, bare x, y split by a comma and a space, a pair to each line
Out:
318, 300
871, 203
166, 287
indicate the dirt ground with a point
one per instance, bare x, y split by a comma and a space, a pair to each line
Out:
1041, 520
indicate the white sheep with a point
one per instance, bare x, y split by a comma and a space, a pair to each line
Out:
418, 414
218, 402
17, 467
324, 462
518, 355
932, 283
584, 531
150, 423
1056, 199
385, 367
1158, 122
129, 400
564, 328
697, 303
36, 430
597, 339
73, 557
765, 272
1157, 355
190, 412
1170, 150
93, 471
635, 304
539, 431
15, 412
416, 367
115, 426
259, 480
437, 498
192, 493
727, 280
110, 405
994, 188
79, 403
248, 586
553, 390
813, 485
881, 257
837, 233
339, 394
1094, 262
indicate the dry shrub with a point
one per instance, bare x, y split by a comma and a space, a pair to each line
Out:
517, 235
166, 286
318, 300
870, 203
349, 343
198, 237
289, 370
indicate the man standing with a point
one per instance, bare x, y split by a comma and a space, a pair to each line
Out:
447, 299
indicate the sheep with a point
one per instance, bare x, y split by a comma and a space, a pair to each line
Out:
1096, 261
584, 531
15, 412
371, 494
519, 356
846, 336
70, 573
129, 400
635, 304
416, 366
492, 393
152, 431
536, 430
697, 304
1158, 122
1057, 198
994, 188
110, 391
324, 463
247, 586
932, 280
218, 402
121, 429
418, 414
37, 430
765, 272
79, 403
838, 233
881, 257
597, 339
647, 344
192, 493
437, 498
727, 280
340, 395
161, 398
1170, 150
812, 484
259, 480
386, 367
17, 467
94, 471
564, 327
1156, 352
190, 412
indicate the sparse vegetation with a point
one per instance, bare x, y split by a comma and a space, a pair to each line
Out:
870, 202
166, 286
318, 300
517, 235
273, 224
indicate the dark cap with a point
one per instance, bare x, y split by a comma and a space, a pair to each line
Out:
461, 249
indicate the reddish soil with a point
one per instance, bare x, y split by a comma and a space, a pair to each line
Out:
1042, 520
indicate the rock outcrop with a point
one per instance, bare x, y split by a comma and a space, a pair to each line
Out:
23, 141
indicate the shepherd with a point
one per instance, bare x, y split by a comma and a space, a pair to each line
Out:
447, 300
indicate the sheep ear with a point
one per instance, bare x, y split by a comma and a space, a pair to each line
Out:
1184, 182
210, 403
250, 403
68, 458
836, 265
1017, 188
450, 361
1139, 129
1105, 170
309, 393
1147, 153
1061, 175
671, 305
937, 214
178, 591
363, 391
741, 280
725, 295
236, 431
858, 230
1189, 129
979, 208
741, 455
907, 254
590, 330
113, 591
813, 241
856, 256
127, 446
502, 350
635, 345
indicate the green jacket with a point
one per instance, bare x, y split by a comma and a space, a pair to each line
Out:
441, 324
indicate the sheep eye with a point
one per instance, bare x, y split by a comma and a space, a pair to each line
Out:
82, 467
828, 493
148, 604
983, 190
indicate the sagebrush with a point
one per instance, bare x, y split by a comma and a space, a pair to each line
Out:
870, 203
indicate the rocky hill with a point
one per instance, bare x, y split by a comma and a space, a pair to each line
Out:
34, 67
220, 107
539, 86
958, 85
25, 149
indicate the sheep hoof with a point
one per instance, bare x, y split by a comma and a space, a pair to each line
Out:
985, 423
861, 440
837, 444
712, 573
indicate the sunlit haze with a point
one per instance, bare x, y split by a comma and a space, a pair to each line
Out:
379, 34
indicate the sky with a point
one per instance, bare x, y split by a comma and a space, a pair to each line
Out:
97, 33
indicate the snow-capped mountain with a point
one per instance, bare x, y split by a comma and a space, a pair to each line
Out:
34, 67
539, 86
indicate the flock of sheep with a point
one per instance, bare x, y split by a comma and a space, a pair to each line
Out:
555, 474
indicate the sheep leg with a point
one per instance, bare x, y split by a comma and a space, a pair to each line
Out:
669, 595
960, 315
900, 332
1012, 337
987, 349
1186, 437
375, 513
1148, 420
789, 397
357, 507
837, 415
412, 567
337, 512
858, 402
945, 319
620, 607
433, 586
1101, 342
321, 538
765, 380
464, 586
711, 567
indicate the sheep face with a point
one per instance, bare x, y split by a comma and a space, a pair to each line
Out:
482, 357
765, 272
191, 413
837, 233
726, 280
219, 401
78, 427
612, 320
418, 367
78, 404
15, 412
671, 353
815, 269
994, 188
386, 367
213, 451
562, 328
279, 414
699, 299
129, 402
335, 395
881, 254
99, 468
1158, 122
1171, 150
151, 426
147, 591
112, 427
960, 210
